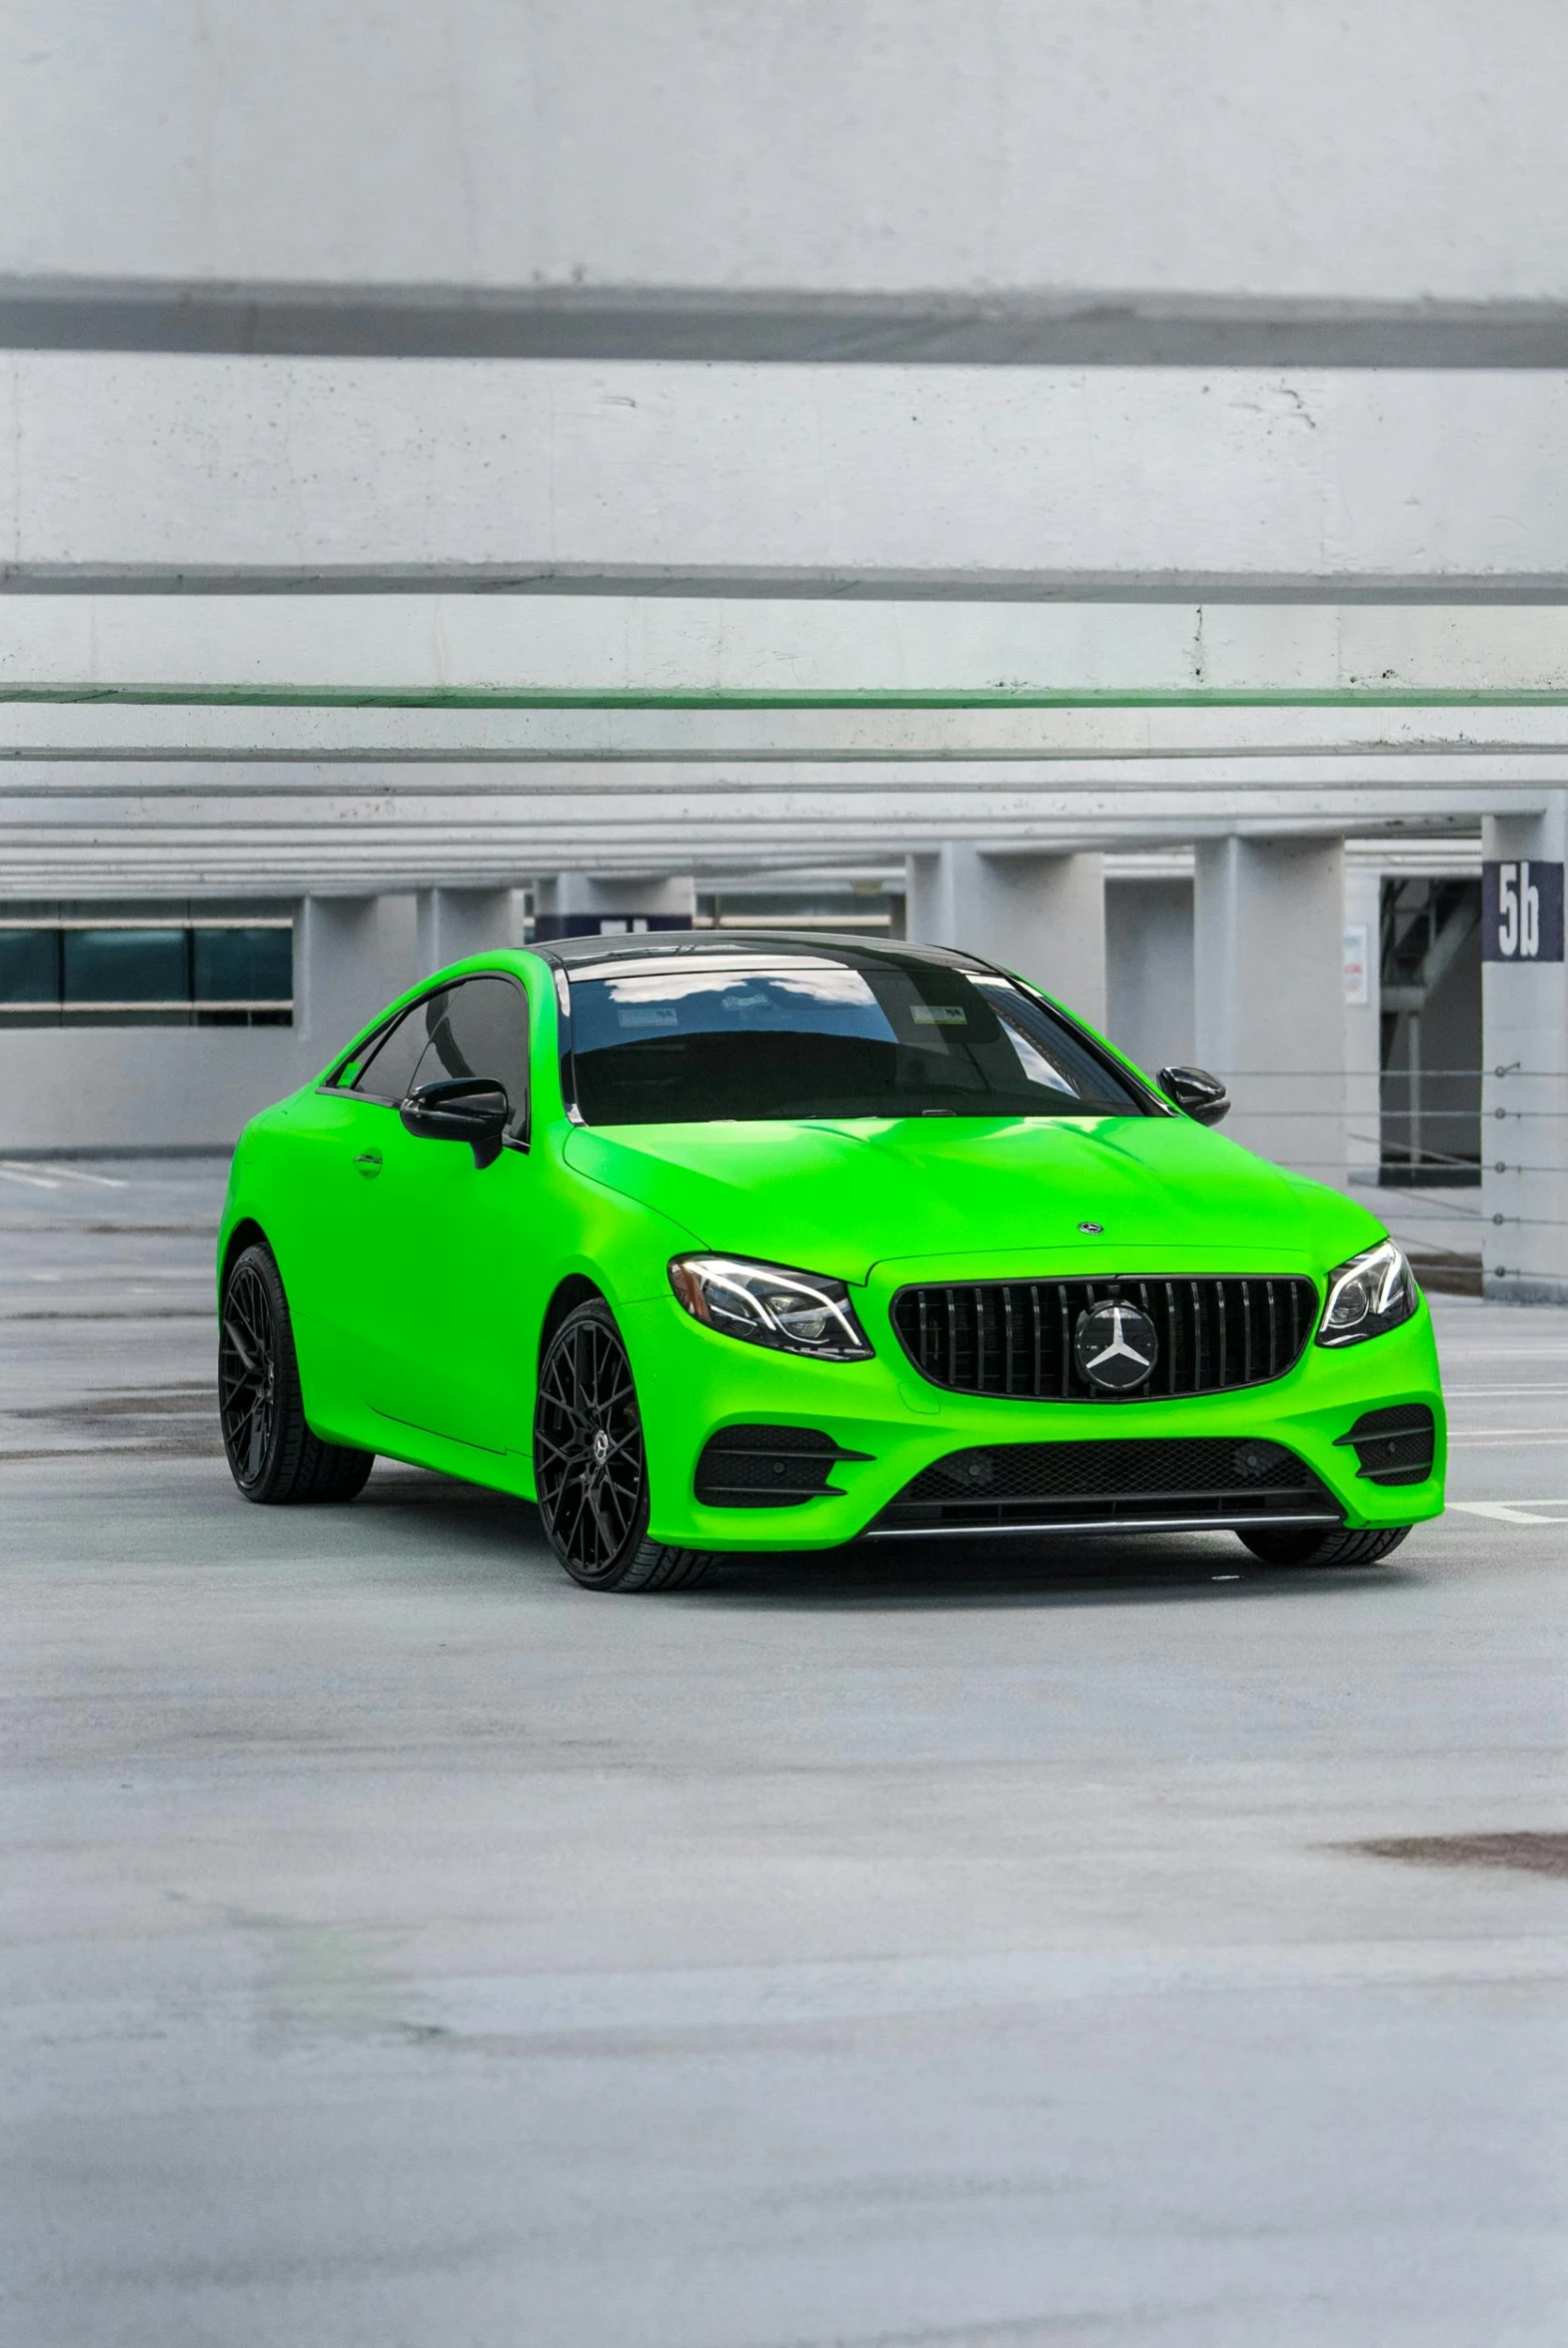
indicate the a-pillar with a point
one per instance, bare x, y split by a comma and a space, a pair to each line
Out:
579, 905
1041, 915
1524, 1083
352, 957
1268, 993
453, 922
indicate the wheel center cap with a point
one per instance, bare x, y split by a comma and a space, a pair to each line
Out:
600, 1445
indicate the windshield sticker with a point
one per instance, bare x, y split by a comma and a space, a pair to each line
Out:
938, 1014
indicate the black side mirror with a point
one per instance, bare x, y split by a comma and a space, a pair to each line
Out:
459, 1108
1200, 1096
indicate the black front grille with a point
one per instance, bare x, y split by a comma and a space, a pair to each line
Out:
1015, 1337
1397, 1446
1208, 1479
767, 1466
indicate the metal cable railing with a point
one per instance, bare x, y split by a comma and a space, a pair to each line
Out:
1412, 1131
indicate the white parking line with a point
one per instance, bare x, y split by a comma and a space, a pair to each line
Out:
1510, 1512
1481, 1393
837, 1990
65, 1174
1502, 1438
13, 1174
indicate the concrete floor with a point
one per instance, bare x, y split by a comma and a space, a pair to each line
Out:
402, 1949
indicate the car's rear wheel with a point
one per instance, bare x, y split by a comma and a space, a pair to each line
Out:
273, 1455
1311, 1544
590, 1467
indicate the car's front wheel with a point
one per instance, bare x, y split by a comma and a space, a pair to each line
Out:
589, 1465
1311, 1544
273, 1455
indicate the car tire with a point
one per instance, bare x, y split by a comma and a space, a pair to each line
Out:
589, 1465
273, 1455
1307, 1546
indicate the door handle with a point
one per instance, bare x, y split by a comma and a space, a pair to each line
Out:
367, 1162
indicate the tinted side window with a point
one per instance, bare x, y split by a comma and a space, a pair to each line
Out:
388, 1073
482, 1032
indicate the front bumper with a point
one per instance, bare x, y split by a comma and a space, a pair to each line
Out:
691, 1382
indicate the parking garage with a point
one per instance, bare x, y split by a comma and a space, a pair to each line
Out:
1079, 491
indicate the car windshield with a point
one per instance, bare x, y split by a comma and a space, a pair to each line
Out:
688, 1042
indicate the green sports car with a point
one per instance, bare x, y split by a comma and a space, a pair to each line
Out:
713, 1243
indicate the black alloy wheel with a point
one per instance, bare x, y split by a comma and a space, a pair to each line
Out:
1309, 1545
248, 1372
273, 1455
589, 1465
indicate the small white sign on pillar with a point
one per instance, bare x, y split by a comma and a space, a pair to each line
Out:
1358, 966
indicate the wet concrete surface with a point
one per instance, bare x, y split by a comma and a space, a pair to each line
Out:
1093, 1945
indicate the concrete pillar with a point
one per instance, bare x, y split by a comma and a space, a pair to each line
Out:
351, 956
1363, 1026
452, 922
581, 904
1524, 1091
1041, 915
1268, 986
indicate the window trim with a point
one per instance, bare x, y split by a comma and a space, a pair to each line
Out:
373, 1036
145, 921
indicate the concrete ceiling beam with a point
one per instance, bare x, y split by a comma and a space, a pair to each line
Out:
603, 645
118, 732
593, 177
142, 471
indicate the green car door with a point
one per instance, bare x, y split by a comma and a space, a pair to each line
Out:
441, 1234
325, 1223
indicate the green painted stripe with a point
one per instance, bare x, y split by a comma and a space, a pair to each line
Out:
1375, 696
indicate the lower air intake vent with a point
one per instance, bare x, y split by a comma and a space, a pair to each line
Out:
1397, 1446
767, 1466
1043, 1486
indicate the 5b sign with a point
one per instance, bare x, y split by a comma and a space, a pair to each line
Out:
1521, 911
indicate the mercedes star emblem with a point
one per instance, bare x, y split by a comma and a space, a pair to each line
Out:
1115, 1346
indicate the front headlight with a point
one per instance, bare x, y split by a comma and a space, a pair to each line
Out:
1374, 1291
794, 1311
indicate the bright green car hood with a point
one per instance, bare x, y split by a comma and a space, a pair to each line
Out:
839, 1198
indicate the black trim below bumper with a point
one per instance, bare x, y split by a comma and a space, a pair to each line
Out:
933, 1532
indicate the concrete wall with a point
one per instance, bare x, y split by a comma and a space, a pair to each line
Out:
1148, 970
143, 1088
98, 1088
1147, 146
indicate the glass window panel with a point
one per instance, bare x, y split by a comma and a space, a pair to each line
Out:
656, 1043
389, 1072
126, 966
243, 966
481, 1033
29, 965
